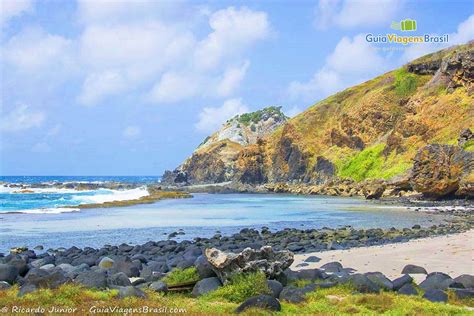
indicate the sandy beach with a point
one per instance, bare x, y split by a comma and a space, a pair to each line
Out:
452, 254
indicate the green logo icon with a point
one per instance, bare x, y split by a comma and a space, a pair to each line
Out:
404, 26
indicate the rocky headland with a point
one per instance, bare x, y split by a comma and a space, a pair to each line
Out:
407, 133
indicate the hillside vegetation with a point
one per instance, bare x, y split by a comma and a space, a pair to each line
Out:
369, 131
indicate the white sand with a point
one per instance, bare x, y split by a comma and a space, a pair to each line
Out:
453, 254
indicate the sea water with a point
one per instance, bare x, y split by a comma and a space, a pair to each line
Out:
201, 216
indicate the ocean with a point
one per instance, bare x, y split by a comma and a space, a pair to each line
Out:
40, 218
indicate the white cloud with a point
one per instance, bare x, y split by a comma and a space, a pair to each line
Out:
349, 14
97, 86
21, 118
13, 8
211, 118
351, 62
232, 78
463, 34
41, 147
132, 132
34, 50
174, 87
233, 31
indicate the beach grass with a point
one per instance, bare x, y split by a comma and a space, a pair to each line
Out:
178, 276
339, 300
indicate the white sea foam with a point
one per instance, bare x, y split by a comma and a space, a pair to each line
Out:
57, 210
112, 195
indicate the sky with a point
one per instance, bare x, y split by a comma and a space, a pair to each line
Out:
132, 87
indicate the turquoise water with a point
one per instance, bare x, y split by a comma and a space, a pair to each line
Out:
200, 216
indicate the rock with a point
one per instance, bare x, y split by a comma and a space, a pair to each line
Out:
159, 286
205, 286
204, 268
4, 285
66, 267
413, 269
46, 279
8, 273
292, 294
332, 267
407, 289
363, 284
464, 293
42, 261
106, 263
130, 291
137, 281
126, 266
466, 280
260, 301
26, 288
275, 286
306, 274
312, 259
416, 226
465, 136
47, 267
438, 170
436, 281
226, 264
374, 190
435, 295
380, 279
401, 281
20, 264
92, 279
118, 279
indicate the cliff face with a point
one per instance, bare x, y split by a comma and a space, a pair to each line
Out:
221, 157
369, 131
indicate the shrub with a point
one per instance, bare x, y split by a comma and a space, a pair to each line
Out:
241, 287
178, 276
405, 83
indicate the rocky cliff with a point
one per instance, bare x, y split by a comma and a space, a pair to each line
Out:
370, 131
221, 156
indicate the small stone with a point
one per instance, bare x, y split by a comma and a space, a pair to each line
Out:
312, 259
130, 291
332, 267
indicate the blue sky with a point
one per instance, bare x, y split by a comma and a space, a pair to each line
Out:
132, 87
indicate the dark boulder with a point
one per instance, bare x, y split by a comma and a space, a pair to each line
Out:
205, 286
118, 279
8, 273
435, 295
46, 279
26, 288
275, 286
466, 280
408, 289
380, 279
401, 281
464, 293
260, 301
131, 269
4, 285
413, 269
159, 286
312, 259
436, 281
332, 267
92, 279
204, 268
363, 284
